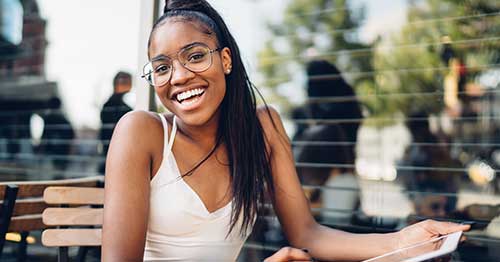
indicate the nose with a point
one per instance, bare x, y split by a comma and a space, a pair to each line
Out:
441, 213
180, 74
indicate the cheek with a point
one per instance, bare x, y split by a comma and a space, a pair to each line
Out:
221, 88
217, 79
162, 93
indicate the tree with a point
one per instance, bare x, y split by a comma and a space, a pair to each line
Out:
389, 73
311, 29
411, 66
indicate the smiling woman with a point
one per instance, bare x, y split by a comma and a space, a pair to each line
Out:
203, 65
194, 186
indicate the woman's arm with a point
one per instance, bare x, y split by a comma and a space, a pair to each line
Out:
126, 198
301, 229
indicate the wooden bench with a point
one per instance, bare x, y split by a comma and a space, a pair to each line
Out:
23, 204
78, 219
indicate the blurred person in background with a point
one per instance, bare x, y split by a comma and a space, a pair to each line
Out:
428, 161
57, 135
15, 127
339, 197
430, 200
114, 108
331, 98
456, 98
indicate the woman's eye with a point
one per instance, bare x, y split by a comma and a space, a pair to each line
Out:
162, 69
196, 57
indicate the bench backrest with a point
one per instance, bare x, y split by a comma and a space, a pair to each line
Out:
22, 203
29, 204
78, 207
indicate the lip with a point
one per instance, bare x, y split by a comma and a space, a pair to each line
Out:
174, 93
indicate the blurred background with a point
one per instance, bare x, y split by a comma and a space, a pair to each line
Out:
392, 107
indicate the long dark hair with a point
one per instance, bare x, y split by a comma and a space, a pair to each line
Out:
239, 126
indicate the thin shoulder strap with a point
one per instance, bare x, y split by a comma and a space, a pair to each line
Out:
172, 134
165, 135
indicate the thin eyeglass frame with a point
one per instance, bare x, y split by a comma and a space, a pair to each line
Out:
210, 52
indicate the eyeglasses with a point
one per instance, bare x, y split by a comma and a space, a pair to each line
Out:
436, 207
195, 58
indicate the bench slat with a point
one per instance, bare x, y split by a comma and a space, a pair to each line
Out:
73, 216
29, 206
74, 195
26, 223
71, 237
36, 188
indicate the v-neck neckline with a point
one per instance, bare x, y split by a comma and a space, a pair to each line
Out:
170, 152
197, 196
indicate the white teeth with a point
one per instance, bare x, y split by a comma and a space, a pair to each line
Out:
187, 94
186, 102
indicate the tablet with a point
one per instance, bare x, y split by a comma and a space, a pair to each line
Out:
422, 251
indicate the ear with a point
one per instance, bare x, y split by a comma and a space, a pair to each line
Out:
227, 64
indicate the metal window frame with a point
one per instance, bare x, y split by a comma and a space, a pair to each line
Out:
149, 12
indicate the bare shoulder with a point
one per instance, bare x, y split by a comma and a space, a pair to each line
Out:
138, 118
271, 124
267, 114
139, 126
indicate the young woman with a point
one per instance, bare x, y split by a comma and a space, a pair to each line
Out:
187, 186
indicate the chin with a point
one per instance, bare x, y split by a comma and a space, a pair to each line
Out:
198, 119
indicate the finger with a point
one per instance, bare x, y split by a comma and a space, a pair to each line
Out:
463, 238
289, 254
443, 228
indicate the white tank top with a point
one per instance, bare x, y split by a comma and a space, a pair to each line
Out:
180, 228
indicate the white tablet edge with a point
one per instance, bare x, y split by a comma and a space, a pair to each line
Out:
449, 245
455, 235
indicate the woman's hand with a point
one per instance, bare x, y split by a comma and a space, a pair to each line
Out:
426, 230
287, 254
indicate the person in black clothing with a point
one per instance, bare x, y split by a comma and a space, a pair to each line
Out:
57, 135
328, 144
330, 97
326, 81
15, 126
114, 109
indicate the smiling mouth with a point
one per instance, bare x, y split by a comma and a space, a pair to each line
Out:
190, 96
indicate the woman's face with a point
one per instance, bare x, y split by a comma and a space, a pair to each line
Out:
432, 206
193, 97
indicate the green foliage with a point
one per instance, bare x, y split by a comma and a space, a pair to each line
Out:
326, 26
411, 63
408, 62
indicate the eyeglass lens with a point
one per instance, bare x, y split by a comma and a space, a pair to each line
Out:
196, 58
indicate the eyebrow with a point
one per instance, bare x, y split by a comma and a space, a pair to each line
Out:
162, 56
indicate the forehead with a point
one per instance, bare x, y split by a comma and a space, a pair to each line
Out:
175, 34
123, 80
434, 199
